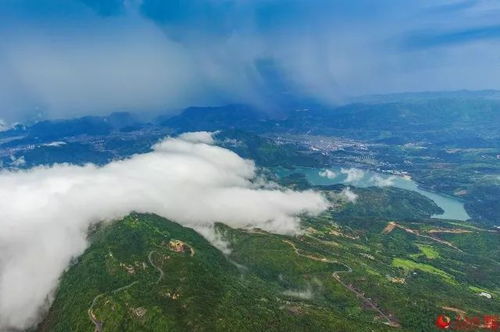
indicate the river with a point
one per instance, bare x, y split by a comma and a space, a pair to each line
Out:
453, 208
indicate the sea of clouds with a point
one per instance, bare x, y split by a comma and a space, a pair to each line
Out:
45, 212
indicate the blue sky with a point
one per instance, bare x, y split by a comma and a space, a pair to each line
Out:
65, 58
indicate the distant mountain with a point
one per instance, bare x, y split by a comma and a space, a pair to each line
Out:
413, 96
463, 122
88, 125
217, 118
459, 118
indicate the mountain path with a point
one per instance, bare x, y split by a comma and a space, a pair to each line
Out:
150, 258
98, 323
336, 276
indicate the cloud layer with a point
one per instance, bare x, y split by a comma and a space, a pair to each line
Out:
45, 212
73, 57
353, 175
326, 173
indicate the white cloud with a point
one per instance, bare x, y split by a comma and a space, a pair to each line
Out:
328, 174
349, 195
45, 212
3, 125
217, 239
380, 181
128, 62
125, 63
353, 174
198, 137
17, 162
55, 144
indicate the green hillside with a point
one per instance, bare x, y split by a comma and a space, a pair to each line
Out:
131, 280
145, 273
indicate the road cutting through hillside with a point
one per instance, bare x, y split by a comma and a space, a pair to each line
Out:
392, 225
156, 267
336, 276
98, 323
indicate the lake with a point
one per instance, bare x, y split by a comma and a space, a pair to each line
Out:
453, 208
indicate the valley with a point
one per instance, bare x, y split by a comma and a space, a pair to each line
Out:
411, 233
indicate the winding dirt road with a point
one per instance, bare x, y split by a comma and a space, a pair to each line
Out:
367, 301
392, 225
98, 323
336, 276
156, 267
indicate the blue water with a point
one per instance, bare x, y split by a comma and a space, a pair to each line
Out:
453, 208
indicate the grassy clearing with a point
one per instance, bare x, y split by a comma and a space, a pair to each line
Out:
409, 265
478, 290
464, 225
428, 251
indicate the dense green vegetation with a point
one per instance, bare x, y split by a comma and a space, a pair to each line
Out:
409, 265
202, 292
470, 174
276, 282
426, 250
265, 152
386, 202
